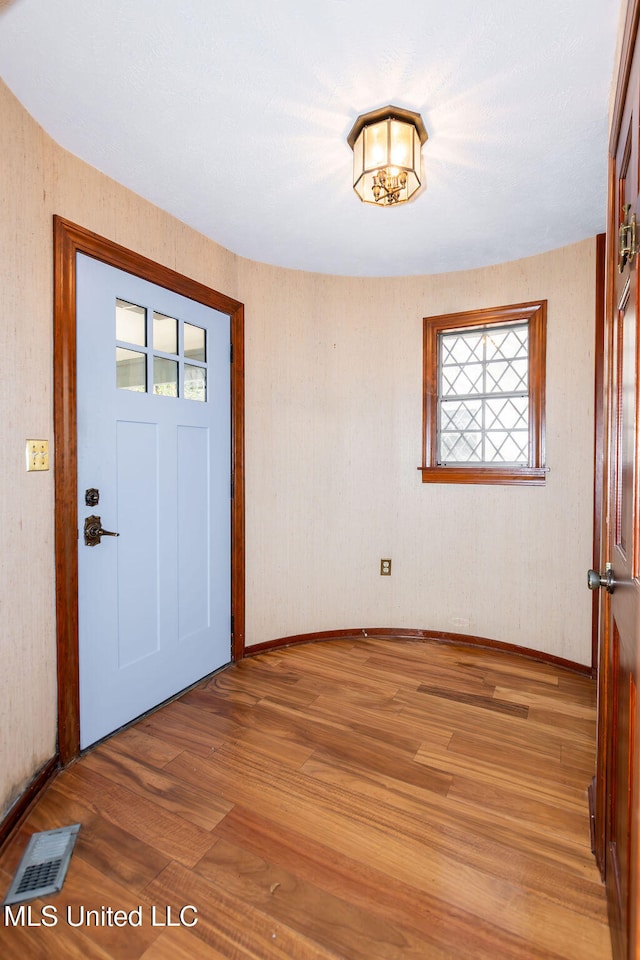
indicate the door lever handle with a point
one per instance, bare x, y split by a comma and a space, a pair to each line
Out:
596, 580
93, 531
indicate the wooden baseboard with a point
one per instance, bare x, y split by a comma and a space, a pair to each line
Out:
392, 633
23, 804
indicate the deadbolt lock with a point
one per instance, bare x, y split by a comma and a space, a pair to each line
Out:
92, 497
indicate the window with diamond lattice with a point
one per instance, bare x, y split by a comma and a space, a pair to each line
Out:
484, 396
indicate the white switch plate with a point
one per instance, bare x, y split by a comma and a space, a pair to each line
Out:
37, 455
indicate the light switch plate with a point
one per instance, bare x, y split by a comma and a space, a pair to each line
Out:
37, 455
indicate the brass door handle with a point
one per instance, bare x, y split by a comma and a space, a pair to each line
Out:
596, 580
93, 531
627, 246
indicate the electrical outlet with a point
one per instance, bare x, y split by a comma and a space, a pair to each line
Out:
385, 567
37, 455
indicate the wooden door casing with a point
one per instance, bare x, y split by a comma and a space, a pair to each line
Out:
69, 240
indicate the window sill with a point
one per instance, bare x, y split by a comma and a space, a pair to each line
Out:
524, 476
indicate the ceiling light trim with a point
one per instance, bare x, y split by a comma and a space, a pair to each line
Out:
388, 113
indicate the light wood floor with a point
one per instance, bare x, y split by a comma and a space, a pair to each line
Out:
348, 799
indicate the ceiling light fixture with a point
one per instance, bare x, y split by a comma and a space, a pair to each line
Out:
386, 146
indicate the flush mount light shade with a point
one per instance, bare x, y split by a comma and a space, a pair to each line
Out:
386, 147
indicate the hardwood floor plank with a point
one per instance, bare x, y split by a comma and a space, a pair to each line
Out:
545, 778
538, 814
409, 849
505, 664
181, 726
499, 848
169, 833
388, 722
263, 679
466, 719
475, 700
562, 707
232, 927
371, 752
435, 920
190, 803
580, 727
44, 943
313, 803
236, 722
372, 684
181, 944
142, 746
447, 676
584, 687
347, 929
85, 889
102, 844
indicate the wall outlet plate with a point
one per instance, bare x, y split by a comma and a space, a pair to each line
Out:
37, 455
385, 567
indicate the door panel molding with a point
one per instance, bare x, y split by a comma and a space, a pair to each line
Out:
70, 239
598, 438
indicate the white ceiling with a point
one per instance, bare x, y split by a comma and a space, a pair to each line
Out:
233, 116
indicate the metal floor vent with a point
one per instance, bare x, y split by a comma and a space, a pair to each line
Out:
44, 865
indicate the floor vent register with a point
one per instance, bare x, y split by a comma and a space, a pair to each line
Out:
44, 866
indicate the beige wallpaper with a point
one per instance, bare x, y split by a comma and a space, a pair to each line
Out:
334, 405
332, 444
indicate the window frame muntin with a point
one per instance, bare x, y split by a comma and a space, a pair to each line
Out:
535, 313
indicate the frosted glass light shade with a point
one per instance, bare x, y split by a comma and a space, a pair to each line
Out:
386, 146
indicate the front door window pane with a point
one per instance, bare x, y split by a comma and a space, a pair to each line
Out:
165, 377
165, 333
194, 342
195, 382
131, 370
131, 323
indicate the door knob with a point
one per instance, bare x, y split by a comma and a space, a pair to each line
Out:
596, 580
93, 531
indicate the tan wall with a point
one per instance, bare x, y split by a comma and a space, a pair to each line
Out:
333, 444
334, 368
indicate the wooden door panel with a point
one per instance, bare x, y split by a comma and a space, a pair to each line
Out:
155, 605
617, 767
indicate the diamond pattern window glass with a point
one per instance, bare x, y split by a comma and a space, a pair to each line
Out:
484, 399
484, 393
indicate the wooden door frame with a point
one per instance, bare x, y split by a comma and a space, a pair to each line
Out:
70, 239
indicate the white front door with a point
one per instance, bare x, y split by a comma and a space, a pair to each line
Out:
154, 450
